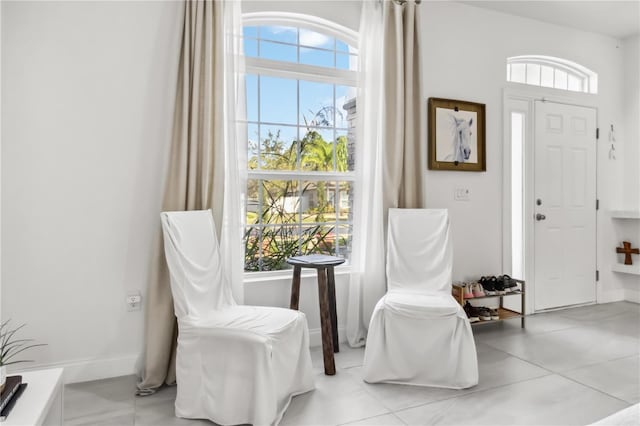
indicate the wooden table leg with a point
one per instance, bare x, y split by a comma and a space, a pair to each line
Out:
331, 282
295, 288
325, 322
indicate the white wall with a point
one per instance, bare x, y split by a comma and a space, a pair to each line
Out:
629, 230
343, 12
87, 105
631, 108
467, 61
1, 160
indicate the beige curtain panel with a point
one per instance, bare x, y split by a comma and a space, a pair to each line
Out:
404, 152
196, 162
390, 157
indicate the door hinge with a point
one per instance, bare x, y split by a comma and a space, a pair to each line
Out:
597, 204
597, 275
597, 133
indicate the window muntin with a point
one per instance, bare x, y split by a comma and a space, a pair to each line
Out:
300, 175
298, 45
547, 71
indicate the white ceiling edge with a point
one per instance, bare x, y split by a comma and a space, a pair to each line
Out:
615, 18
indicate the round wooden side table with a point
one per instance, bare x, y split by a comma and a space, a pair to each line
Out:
327, 299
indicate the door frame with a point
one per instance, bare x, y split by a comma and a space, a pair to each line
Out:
522, 99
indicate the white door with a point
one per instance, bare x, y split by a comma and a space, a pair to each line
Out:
564, 205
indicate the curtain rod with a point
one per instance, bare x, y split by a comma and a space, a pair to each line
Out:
401, 2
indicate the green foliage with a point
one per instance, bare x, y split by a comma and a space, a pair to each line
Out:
268, 247
269, 250
10, 346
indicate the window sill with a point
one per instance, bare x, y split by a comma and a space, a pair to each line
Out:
286, 274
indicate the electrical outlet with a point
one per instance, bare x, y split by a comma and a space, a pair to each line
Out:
462, 194
134, 301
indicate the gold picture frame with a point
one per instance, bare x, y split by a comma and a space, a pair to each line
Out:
456, 135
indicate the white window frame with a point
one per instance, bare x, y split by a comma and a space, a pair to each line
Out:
587, 77
296, 71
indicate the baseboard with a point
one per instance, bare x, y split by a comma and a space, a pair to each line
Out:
632, 295
85, 370
315, 336
611, 295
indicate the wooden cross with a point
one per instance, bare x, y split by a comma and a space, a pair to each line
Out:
628, 251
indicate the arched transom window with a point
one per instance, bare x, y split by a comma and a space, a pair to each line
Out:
547, 71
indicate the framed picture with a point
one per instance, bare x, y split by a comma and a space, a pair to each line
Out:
456, 135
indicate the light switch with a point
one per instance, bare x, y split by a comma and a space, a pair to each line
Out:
461, 194
134, 301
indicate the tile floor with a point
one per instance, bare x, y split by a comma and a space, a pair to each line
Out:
569, 367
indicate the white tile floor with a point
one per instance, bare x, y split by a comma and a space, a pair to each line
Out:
569, 367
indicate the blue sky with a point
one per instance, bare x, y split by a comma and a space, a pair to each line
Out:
278, 96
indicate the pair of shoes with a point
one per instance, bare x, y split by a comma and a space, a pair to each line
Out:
487, 314
508, 283
489, 285
471, 312
477, 290
496, 286
471, 290
480, 313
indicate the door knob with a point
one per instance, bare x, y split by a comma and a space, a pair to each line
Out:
540, 216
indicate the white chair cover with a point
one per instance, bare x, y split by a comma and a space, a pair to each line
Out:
418, 333
235, 364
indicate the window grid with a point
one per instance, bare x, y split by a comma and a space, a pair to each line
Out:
334, 180
565, 75
351, 54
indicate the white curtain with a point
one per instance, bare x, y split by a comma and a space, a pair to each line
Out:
389, 149
367, 282
204, 165
235, 142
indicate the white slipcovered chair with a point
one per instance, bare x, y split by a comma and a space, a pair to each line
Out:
419, 334
235, 364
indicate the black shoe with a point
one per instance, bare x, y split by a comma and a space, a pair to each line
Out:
489, 288
495, 314
484, 313
498, 284
471, 312
510, 284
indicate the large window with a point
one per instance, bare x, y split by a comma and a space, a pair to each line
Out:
300, 103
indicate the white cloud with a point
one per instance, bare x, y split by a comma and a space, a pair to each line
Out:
313, 39
278, 29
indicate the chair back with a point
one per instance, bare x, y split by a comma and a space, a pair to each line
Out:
419, 251
198, 282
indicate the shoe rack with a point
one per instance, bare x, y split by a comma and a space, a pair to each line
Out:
503, 313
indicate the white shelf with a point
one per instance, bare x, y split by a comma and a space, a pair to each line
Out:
42, 400
627, 269
625, 214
